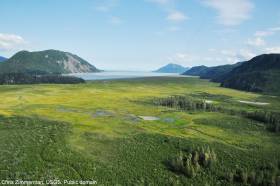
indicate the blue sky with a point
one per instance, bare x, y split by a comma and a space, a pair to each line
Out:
143, 34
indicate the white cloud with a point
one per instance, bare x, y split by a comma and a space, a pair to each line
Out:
272, 50
263, 33
169, 6
218, 59
102, 8
208, 59
275, 29
228, 52
230, 60
256, 42
228, 56
161, 2
245, 54
116, 20
106, 5
170, 29
267, 32
174, 29
159, 33
212, 50
231, 12
259, 37
233, 56
176, 16
10, 41
183, 58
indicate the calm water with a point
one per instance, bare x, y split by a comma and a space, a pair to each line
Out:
121, 75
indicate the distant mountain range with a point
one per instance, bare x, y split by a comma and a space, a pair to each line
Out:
260, 74
2, 59
172, 68
46, 62
216, 73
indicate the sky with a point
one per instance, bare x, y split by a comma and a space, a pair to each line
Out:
143, 35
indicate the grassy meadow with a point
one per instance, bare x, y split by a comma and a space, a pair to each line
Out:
94, 131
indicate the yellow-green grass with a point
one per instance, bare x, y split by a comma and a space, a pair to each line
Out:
77, 105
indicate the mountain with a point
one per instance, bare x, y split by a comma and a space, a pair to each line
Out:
216, 73
172, 68
46, 62
196, 71
260, 74
2, 59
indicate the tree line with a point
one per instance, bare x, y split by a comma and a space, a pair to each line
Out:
265, 175
271, 119
24, 78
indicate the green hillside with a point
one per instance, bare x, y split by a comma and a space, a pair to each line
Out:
260, 74
46, 62
215, 73
196, 71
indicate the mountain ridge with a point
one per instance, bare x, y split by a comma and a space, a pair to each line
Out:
215, 73
46, 62
2, 59
260, 74
172, 68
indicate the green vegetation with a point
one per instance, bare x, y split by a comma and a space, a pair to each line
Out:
270, 119
19, 78
45, 62
193, 161
196, 71
255, 81
267, 174
93, 131
260, 74
216, 74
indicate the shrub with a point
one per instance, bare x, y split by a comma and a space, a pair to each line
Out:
278, 181
252, 178
241, 176
266, 175
192, 161
229, 177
